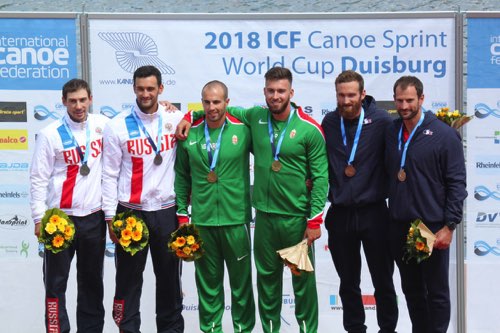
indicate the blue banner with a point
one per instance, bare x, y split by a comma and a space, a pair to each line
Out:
37, 54
483, 53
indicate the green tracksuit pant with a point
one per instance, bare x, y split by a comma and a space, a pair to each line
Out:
274, 232
230, 244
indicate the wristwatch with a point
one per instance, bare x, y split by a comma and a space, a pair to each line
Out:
451, 225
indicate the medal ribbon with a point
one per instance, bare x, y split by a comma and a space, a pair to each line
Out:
400, 139
156, 147
212, 159
276, 149
356, 137
83, 158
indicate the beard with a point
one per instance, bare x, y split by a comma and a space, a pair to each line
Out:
350, 111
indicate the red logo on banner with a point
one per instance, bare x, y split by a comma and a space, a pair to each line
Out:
118, 308
368, 300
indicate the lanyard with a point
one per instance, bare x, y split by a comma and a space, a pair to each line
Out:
356, 137
212, 159
156, 147
400, 139
276, 149
83, 158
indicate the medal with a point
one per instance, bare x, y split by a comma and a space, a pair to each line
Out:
276, 166
402, 175
350, 171
212, 177
158, 159
84, 170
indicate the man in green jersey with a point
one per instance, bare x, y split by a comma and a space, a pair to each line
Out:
289, 147
213, 167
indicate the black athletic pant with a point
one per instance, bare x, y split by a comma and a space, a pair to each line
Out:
89, 244
167, 269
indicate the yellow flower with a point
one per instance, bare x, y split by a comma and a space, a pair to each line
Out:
139, 227
118, 223
68, 232
61, 226
126, 234
190, 240
128, 227
63, 221
125, 242
50, 228
131, 221
136, 235
180, 241
54, 219
173, 246
186, 250
58, 241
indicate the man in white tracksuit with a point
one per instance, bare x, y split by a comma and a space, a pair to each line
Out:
66, 173
138, 175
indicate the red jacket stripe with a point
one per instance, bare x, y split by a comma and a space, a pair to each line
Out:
136, 181
68, 186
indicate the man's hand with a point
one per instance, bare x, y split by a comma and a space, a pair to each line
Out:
182, 130
312, 235
443, 238
37, 229
112, 235
168, 106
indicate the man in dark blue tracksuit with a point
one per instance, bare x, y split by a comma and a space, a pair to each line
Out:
358, 191
425, 163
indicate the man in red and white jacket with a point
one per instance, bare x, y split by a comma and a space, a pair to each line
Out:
138, 175
66, 173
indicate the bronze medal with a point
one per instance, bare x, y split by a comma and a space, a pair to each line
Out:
350, 171
158, 159
402, 175
84, 170
212, 177
276, 166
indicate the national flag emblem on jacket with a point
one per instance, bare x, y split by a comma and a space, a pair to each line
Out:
235, 140
292, 133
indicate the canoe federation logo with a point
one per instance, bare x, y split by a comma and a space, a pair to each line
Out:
135, 49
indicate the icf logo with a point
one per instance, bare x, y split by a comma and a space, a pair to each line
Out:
483, 248
483, 110
482, 193
41, 112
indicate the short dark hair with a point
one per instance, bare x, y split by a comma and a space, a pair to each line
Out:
216, 83
350, 76
279, 73
405, 81
147, 71
75, 85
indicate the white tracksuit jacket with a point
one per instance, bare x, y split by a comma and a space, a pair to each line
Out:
55, 176
129, 175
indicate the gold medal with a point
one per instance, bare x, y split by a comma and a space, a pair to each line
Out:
402, 175
276, 166
212, 177
350, 171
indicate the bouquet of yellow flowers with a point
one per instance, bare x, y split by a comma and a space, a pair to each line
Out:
455, 119
186, 243
56, 231
131, 231
419, 242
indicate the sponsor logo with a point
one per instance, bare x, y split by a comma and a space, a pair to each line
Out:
482, 110
108, 111
13, 194
438, 104
14, 166
41, 112
427, 132
110, 250
488, 219
368, 302
327, 108
495, 138
14, 139
482, 248
308, 109
242, 257
482, 193
192, 142
132, 50
13, 112
262, 122
13, 222
367, 121
487, 165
